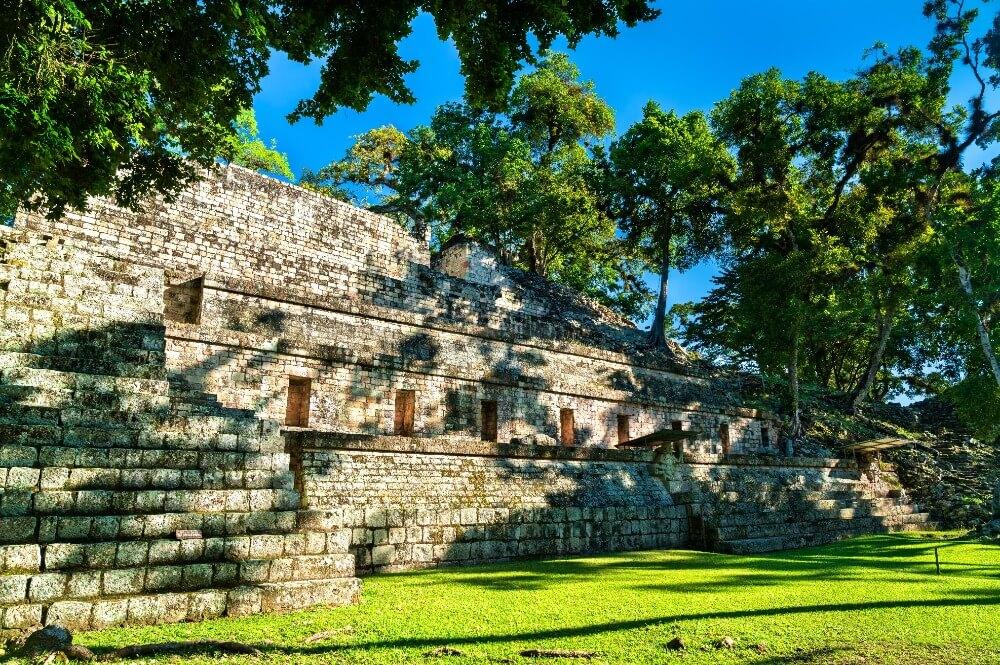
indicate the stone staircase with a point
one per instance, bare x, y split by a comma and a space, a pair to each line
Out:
742, 505
127, 497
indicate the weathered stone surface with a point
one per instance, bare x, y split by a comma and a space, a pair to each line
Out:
145, 363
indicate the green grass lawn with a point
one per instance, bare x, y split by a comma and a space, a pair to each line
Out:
869, 600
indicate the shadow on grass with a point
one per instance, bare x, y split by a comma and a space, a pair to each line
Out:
846, 561
986, 599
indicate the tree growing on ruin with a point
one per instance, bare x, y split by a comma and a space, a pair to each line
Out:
246, 148
670, 176
122, 98
524, 182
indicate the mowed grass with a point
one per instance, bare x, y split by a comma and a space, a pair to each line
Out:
868, 600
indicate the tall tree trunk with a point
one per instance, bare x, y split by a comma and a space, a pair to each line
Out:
535, 264
658, 332
793, 385
984, 333
874, 361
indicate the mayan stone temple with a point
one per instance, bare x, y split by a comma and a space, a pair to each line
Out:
239, 401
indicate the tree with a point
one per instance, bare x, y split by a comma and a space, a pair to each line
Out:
670, 176
122, 98
955, 327
525, 182
821, 222
954, 130
246, 148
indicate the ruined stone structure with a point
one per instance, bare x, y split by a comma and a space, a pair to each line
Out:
236, 401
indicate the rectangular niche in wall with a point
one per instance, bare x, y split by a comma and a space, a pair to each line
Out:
567, 427
724, 438
406, 402
489, 422
182, 301
765, 437
299, 394
623, 433
678, 426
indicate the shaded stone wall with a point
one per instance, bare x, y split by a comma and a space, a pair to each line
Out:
357, 363
103, 461
745, 504
349, 298
414, 502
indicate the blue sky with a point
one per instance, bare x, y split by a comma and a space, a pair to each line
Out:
689, 58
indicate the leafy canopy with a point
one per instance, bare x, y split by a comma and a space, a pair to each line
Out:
669, 179
101, 98
524, 182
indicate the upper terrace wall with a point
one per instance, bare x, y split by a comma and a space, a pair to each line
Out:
240, 228
350, 299
237, 223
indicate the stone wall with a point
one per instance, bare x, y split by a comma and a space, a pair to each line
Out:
356, 364
349, 299
417, 502
144, 369
105, 463
757, 503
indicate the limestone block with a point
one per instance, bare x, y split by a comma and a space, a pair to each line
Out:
20, 558
46, 587
83, 584
21, 616
21, 478
383, 555
13, 589
206, 605
163, 578
73, 615
123, 582
243, 601
197, 576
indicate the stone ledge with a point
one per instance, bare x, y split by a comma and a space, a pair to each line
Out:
758, 460
291, 295
314, 440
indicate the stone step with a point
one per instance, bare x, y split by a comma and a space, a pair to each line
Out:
750, 509
62, 288
769, 538
790, 517
67, 362
861, 523
102, 304
770, 514
144, 502
80, 383
83, 335
59, 478
40, 436
137, 419
123, 280
916, 519
928, 525
778, 491
52, 587
69, 254
33, 558
773, 544
128, 418
72, 457
150, 609
90, 528
771, 475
